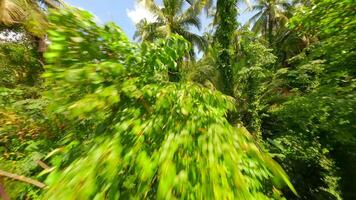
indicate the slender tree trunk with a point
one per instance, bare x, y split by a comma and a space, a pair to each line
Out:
225, 16
265, 30
42, 47
270, 29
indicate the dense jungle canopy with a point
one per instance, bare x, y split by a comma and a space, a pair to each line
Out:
261, 110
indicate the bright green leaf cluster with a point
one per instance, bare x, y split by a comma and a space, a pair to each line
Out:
151, 138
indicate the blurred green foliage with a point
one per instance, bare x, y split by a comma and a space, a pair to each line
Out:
114, 119
18, 63
145, 137
313, 128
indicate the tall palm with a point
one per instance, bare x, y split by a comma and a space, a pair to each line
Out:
271, 14
28, 13
31, 15
11, 12
172, 18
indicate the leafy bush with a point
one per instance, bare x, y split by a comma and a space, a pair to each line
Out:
19, 63
145, 137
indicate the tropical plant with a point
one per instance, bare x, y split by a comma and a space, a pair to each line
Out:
225, 18
27, 13
270, 16
216, 65
255, 81
109, 120
11, 12
172, 18
19, 64
324, 82
145, 137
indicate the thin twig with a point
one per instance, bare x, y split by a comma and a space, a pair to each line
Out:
42, 164
22, 178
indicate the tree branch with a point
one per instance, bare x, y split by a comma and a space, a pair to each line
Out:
42, 164
22, 178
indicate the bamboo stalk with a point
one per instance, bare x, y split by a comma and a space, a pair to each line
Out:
22, 178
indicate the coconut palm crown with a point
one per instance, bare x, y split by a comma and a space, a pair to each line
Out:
173, 17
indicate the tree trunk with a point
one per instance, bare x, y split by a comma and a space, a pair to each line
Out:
225, 17
41, 47
270, 29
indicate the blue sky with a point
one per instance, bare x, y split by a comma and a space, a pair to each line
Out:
125, 12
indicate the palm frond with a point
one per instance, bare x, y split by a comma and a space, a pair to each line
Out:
255, 18
191, 15
259, 24
257, 8
270, 13
173, 7
175, 20
11, 12
199, 41
146, 31
192, 20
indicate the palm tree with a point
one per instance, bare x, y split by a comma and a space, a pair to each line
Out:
271, 14
11, 12
171, 18
29, 14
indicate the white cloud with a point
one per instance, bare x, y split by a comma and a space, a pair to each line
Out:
140, 12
